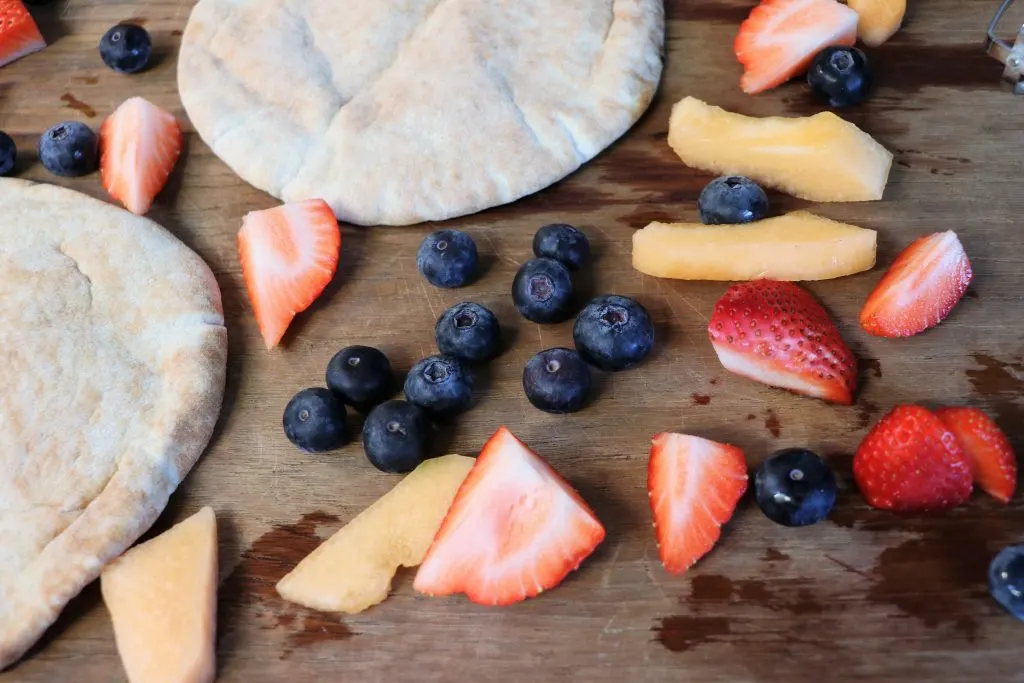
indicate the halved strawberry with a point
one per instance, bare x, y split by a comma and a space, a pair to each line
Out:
288, 254
780, 38
993, 462
920, 288
139, 145
515, 529
694, 486
19, 35
778, 334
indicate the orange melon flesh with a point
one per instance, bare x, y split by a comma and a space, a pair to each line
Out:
821, 158
879, 19
162, 599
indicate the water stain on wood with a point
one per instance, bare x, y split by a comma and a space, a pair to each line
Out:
971, 294
72, 102
751, 416
701, 399
711, 587
772, 424
866, 411
1003, 383
774, 555
683, 632
872, 365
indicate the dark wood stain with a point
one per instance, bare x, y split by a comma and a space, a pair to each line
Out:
866, 412
908, 67
683, 632
72, 102
872, 365
711, 587
751, 416
847, 567
772, 424
971, 293
701, 399
713, 381
773, 555
177, 32
1003, 383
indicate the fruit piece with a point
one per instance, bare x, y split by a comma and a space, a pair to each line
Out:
162, 599
840, 75
8, 153
731, 200
448, 258
557, 381
542, 291
694, 486
993, 462
139, 145
315, 421
289, 253
125, 48
795, 487
564, 243
796, 246
441, 385
1006, 579
879, 19
778, 334
468, 331
613, 332
69, 149
396, 436
19, 35
821, 158
361, 377
910, 462
921, 287
514, 530
352, 570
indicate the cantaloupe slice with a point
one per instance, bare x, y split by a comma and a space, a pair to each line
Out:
352, 570
879, 19
162, 598
797, 246
821, 158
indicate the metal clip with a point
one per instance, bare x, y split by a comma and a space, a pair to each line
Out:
1010, 56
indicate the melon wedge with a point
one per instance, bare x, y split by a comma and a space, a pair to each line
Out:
797, 246
162, 599
821, 158
879, 19
352, 570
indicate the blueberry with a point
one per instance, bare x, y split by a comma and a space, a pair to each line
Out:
564, 243
448, 258
125, 48
69, 149
361, 377
557, 381
613, 332
840, 75
441, 385
542, 291
315, 421
795, 487
730, 200
468, 331
1006, 579
396, 436
8, 153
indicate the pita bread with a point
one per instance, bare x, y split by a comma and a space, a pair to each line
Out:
402, 111
113, 347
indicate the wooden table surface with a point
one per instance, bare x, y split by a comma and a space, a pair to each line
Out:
863, 596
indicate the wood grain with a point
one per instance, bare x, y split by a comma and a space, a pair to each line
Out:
865, 596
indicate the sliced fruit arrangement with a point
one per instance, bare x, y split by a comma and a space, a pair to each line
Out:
993, 462
19, 35
820, 158
921, 287
514, 530
694, 486
796, 246
879, 19
778, 334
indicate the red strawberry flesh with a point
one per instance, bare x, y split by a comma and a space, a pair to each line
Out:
993, 462
19, 35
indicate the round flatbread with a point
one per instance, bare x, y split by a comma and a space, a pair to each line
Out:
402, 111
113, 346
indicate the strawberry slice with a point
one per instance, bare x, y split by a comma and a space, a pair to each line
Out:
910, 462
993, 462
19, 35
515, 529
694, 486
920, 288
780, 38
778, 334
139, 145
288, 254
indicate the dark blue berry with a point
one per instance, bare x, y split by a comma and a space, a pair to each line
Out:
441, 385
468, 331
542, 291
8, 153
315, 421
840, 75
564, 243
361, 377
396, 436
730, 200
69, 149
557, 381
1006, 579
795, 487
448, 258
126, 48
613, 332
